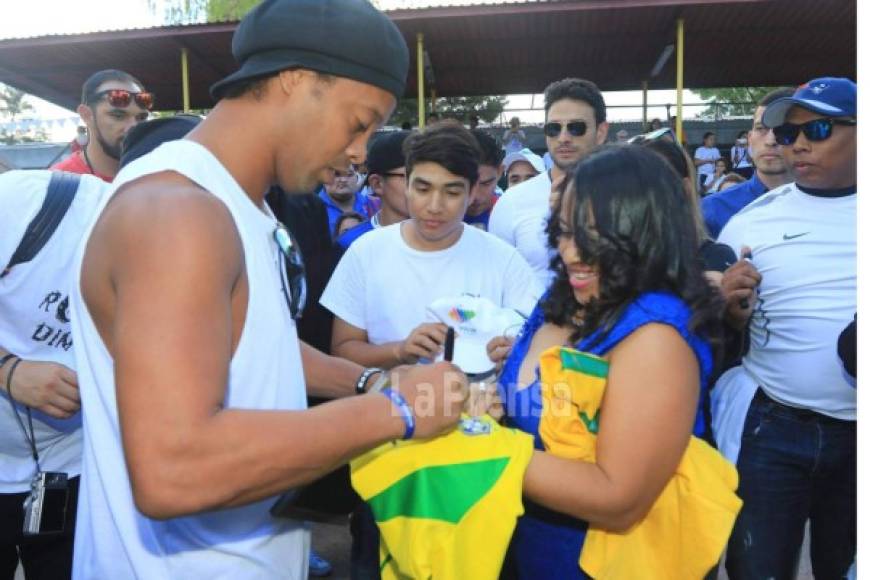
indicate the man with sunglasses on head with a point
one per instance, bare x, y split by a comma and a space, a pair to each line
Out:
112, 103
575, 124
186, 345
787, 414
771, 171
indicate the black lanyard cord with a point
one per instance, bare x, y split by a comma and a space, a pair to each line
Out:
31, 439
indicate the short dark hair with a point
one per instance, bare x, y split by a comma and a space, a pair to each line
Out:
256, 86
708, 134
348, 215
578, 90
145, 137
89, 88
448, 144
491, 153
776, 94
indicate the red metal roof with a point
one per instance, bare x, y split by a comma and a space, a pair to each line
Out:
507, 48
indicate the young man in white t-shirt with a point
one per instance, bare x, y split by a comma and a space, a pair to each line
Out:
384, 283
381, 288
705, 159
787, 414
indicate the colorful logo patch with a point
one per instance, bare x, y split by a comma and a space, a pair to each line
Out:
460, 315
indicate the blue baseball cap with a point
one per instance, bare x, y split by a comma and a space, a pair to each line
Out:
829, 96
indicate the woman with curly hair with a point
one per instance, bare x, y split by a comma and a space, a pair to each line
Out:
630, 289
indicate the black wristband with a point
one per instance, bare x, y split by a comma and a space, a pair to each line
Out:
5, 359
360, 387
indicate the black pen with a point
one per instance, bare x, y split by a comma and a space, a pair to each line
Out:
448, 344
744, 302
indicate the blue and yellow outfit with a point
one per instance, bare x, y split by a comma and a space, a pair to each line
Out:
549, 544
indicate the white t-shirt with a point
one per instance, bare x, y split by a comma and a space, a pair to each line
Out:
113, 538
384, 286
741, 155
804, 246
710, 154
35, 319
520, 218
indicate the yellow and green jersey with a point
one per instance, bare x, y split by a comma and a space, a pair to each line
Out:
446, 507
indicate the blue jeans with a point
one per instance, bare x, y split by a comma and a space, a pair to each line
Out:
794, 465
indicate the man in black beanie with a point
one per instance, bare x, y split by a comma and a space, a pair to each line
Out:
185, 297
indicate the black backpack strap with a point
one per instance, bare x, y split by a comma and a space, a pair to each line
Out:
60, 194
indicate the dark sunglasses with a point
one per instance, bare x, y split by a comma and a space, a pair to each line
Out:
815, 130
121, 98
293, 269
575, 128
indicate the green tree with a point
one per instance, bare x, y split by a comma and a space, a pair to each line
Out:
190, 11
731, 102
13, 104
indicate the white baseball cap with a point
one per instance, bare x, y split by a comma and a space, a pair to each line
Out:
477, 320
526, 155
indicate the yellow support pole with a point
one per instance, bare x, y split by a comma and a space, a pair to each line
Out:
680, 53
421, 95
645, 86
185, 81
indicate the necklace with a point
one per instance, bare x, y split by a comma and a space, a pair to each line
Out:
88, 161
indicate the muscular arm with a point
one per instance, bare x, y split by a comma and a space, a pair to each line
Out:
646, 419
173, 264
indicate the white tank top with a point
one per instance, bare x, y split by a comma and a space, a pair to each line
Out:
35, 319
113, 539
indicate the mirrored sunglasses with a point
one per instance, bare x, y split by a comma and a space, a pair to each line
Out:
815, 130
121, 98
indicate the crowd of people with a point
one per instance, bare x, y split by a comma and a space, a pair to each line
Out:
200, 314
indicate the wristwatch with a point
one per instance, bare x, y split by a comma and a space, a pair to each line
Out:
360, 387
